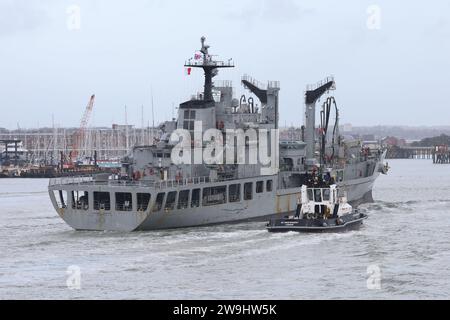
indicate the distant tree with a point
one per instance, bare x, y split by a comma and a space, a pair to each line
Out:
434, 141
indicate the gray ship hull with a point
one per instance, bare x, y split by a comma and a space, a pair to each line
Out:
360, 190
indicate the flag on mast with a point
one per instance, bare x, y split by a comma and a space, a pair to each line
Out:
197, 56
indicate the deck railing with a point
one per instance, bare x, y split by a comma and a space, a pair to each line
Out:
114, 182
70, 180
312, 87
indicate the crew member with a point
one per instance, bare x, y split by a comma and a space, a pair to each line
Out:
299, 207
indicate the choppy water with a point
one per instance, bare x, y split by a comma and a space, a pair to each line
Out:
407, 237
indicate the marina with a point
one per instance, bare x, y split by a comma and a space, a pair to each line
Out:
48, 153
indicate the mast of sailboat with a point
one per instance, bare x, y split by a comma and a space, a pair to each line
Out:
142, 126
126, 130
55, 138
153, 113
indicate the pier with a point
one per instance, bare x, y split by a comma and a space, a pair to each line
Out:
441, 154
395, 152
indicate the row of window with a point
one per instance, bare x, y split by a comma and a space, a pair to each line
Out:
102, 201
209, 196
318, 195
186, 198
163, 155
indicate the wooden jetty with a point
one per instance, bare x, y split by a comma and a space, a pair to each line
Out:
395, 152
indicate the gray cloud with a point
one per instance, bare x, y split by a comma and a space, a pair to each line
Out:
274, 11
21, 15
439, 27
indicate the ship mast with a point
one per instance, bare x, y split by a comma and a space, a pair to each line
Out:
210, 67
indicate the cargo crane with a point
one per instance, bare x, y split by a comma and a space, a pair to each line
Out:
80, 135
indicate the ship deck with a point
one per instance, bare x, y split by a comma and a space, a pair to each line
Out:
92, 181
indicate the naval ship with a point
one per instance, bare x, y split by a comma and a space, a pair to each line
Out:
155, 190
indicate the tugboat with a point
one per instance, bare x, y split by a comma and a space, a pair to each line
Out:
320, 209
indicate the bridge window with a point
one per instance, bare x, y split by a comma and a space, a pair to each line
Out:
159, 202
183, 199
188, 125
234, 192
310, 194
214, 195
317, 195
170, 201
102, 201
143, 200
326, 194
269, 185
80, 200
248, 191
259, 187
189, 119
195, 198
124, 201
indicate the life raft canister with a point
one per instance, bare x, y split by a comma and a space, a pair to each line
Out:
137, 175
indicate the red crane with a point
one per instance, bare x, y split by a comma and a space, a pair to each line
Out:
80, 135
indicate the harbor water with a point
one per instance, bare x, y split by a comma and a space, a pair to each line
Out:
401, 252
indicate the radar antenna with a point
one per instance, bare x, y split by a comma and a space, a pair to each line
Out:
210, 67
205, 47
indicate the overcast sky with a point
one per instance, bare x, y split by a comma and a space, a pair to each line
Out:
390, 62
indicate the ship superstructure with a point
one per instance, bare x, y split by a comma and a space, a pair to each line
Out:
230, 166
